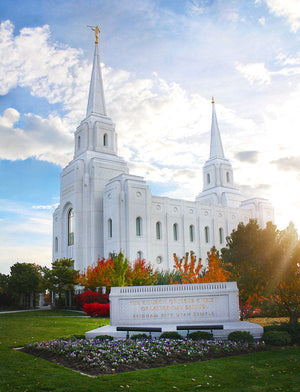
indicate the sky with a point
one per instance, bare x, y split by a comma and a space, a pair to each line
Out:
162, 61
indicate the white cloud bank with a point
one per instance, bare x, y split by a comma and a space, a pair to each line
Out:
290, 9
163, 129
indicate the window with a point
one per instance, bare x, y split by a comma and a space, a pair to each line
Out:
159, 259
192, 233
227, 177
158, 230
139, 255
206, 232
56, 244
208, 178
221, 235
175, 232
109, 228
138, 223
105, 139
78, 143
71, 227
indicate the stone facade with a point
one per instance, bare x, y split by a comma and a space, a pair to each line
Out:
104, 209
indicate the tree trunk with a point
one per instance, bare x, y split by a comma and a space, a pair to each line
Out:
31, 299
21, 301
70, 298
293, 313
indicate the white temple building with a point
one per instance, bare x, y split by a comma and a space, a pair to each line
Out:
104, 209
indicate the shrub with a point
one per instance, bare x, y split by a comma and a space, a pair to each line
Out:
90, 297
241, 336
140, 336
277, 338
104, 337
170, 335
96, 309
201, 335
292, 329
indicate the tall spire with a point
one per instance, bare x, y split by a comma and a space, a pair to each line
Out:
216, 148
96, 103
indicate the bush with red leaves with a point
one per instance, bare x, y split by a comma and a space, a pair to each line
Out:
90, 297
96, 309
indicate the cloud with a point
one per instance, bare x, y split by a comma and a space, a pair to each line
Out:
288, 163
44, 139
25, 234
46, 207
289, 9
262, 20
247, 156
257, 190
255, 73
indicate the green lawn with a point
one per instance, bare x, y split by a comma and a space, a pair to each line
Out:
276, 370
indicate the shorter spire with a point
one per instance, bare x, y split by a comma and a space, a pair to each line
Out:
216, 148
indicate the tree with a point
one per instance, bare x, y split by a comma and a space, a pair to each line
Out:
287, 275
140, 274
192, 272
215, 271
61, 277
265, 264
118, 270
96, 275
189, 269
24, 282
5, 297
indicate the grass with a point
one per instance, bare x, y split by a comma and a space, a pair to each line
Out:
276, 370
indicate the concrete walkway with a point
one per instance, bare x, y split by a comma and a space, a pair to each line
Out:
26, 310
48, 307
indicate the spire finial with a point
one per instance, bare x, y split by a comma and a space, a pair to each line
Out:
212, 100
97, 31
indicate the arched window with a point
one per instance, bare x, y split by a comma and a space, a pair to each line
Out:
139, 255
109, 228
71, 227
158, 230
78, 144
208, 178
138, 224
175, 231
221, 235
227, 177
206, 232
159, 259
192, 233
56, 244
105, 140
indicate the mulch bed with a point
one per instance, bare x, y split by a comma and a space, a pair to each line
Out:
84, 368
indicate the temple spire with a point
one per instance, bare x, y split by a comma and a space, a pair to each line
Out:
216, 148
96, 103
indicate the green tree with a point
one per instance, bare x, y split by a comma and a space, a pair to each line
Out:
265, 264
5, 296
4, 281
249, 255
61, 277
24, 282
285, 287
118, 270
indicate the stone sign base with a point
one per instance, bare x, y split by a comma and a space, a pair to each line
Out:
165, 308
255, 330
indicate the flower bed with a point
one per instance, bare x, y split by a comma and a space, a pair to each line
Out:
96, 356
